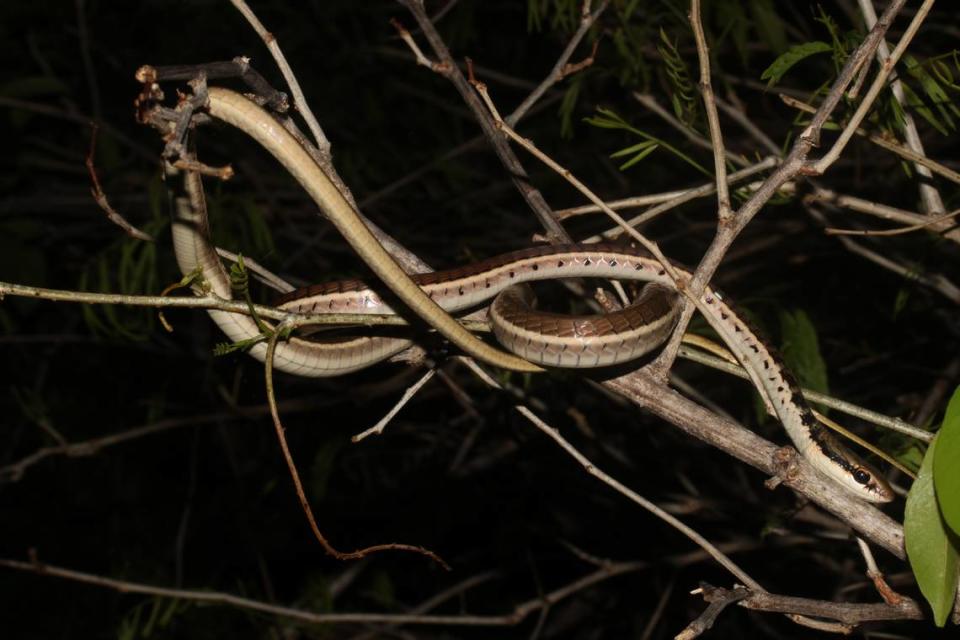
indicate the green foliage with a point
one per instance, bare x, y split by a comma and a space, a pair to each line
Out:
226, 348
239, 278
909, 453
238, 220
240, 284
151, 618
946, 465
260, 238
130, 267
900, 302
936, 82
931, 548
607, 119
564, 14
769, 26
628, 41
779, 67
843, 42
568, 104
840, 45
801, 350
683, 94
631, 34
638, 152
731, 17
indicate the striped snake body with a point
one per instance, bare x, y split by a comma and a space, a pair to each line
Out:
538, 338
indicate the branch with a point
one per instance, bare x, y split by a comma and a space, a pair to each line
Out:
792, 166
847, 613
741, 443
518, 174
713, 119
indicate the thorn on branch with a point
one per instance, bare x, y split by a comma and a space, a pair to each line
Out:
575, 67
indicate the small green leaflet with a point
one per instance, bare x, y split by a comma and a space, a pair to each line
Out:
801, 350
795, 54
946, 465
931, 550
641, 149
937, 95
770, 27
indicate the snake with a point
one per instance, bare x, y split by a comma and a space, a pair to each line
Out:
535, 339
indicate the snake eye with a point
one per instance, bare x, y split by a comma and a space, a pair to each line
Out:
861, 476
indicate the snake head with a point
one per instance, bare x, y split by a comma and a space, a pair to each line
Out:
854, 474
869, 481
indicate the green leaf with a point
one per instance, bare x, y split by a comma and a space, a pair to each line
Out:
568, 104
931, 550
730, 14
801, 350
640, 146
607, 119
795, 54
900, 302
910, 455
261, 238
684, 96
769, 26
946, 465
640, 156
934, 92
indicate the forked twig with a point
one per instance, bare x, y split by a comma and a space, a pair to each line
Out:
280, 330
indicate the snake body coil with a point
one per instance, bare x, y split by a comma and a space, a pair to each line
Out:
548, 339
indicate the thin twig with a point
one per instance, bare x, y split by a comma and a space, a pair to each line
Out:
713, 119
884, 143
830, 231
209, 301
101, 198
936, 281
378, 428
518, 175
573, 180
932, 202
669, 199
592, 469
519, 613
818, 167
893, 424
561, 69
298, 485
14, 472
786, 171
876, 576
299, 101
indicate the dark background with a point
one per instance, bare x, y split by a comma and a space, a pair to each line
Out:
209, 504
